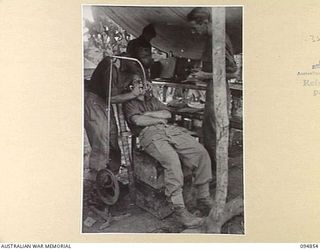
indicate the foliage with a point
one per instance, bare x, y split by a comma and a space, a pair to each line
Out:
103, 38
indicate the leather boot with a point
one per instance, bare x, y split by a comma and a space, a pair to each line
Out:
186, 218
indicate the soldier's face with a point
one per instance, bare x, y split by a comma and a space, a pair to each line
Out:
144, 56
137, 81
198, 28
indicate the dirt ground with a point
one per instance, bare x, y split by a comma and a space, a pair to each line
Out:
126, 217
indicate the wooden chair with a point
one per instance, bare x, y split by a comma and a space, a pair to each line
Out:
146, 176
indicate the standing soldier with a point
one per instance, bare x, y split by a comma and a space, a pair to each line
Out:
200, 23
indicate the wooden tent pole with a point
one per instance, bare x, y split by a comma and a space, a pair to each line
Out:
220, 105
221, 212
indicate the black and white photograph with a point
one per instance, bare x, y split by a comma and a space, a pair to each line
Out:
163, 120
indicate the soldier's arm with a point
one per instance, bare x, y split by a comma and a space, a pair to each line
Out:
163, 114
144, 120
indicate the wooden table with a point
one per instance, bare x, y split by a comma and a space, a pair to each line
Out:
192, 113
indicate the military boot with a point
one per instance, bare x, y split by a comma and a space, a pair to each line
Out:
186, 218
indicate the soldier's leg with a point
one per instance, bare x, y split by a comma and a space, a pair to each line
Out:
96, 127
208, 126
195, 156
163, 152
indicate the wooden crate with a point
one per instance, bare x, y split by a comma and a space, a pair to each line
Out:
152, 200
148, 170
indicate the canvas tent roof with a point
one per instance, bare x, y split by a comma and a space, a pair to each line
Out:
173, 33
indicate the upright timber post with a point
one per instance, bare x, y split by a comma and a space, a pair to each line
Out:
220, 105
221, 212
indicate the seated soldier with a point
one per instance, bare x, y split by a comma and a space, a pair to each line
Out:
168, 144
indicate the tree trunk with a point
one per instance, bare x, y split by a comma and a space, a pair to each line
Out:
214, 223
